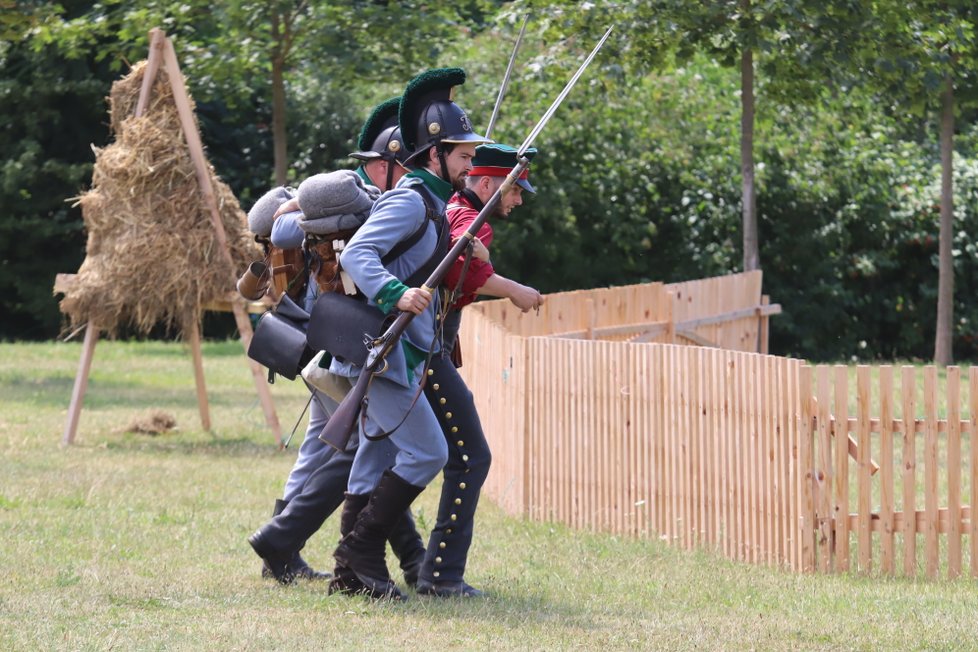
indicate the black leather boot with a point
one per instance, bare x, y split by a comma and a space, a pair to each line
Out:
407, 545
345, 580
275, 563
363, 549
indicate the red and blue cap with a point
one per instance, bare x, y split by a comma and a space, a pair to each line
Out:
498, 160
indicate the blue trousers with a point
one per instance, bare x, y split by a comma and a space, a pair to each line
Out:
313, 453
417, 446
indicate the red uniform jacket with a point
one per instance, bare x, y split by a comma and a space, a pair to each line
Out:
463, 208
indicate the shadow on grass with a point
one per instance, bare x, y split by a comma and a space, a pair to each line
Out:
510, 608
21, 387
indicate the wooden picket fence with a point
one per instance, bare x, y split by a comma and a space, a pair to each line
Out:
905, 453
702, 446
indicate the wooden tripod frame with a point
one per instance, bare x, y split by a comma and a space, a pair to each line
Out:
161, 53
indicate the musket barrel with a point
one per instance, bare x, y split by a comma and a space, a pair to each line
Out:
560, 98
506, 77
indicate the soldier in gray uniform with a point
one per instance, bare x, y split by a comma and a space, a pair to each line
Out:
440, 137
317, 482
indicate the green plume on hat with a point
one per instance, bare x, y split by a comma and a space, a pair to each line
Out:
431, 85
383, 116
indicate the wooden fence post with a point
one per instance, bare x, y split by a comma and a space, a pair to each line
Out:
909, 390
887, 560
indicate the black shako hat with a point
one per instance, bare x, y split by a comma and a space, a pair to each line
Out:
380, 136
428, 115
498, 160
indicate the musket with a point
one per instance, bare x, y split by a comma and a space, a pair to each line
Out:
338, 428
505, 84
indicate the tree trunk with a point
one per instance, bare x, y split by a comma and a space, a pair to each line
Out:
752, 256
278, 121
943, 353
279, 52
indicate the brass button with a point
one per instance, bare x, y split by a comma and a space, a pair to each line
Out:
448, 531
443, 400
465, 458
454, 517
448, 415
431, 372
460, 442
437, 560
442, 545
454, 428
436, 574
461, 485
436, 386
458, 501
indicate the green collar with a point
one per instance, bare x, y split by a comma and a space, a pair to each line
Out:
362, 173
442, 189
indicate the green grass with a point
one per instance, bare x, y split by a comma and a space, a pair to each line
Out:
134, 542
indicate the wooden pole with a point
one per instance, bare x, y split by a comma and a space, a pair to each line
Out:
81, 384
826, 471
764, 322
954, 463
193, 334
864, 500
887, 559
973, 468
157, 39
196, 148
841, 478
931, 546
806, 473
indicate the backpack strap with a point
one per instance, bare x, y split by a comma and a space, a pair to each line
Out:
441, 247
401, 248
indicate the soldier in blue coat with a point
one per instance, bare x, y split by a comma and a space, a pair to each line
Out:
316, 484
439, 135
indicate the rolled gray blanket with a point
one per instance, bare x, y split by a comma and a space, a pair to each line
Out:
260, 215
335, 193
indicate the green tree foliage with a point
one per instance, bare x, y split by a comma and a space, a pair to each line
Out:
51, 111
246, 45
923, 55
638, 174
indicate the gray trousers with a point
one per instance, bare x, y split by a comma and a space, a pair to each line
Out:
313, 453
417, 446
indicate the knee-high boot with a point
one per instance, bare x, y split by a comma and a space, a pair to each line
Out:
409, 548
345, 580
363, 549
